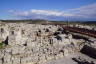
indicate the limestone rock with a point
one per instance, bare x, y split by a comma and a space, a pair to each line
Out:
34, 43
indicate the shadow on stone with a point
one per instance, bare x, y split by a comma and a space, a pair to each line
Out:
88, 50
6, 41
79, 61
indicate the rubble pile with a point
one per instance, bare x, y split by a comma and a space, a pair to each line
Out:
35, 43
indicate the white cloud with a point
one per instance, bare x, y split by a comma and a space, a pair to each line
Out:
87, 11
11, 11
41, 12
47, 12
84, 12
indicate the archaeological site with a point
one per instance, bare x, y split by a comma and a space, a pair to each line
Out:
27, 43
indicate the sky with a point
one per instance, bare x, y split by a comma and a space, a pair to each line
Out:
82, 10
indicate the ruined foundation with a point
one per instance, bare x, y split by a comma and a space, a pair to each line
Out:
35, 43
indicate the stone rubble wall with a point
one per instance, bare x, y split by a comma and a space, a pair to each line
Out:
34, 43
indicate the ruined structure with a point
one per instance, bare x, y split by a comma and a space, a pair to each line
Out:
35, 43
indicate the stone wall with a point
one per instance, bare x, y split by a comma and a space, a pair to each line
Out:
34, 43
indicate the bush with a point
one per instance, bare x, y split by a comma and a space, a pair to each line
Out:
1, 45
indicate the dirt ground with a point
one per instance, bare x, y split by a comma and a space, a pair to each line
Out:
68, 59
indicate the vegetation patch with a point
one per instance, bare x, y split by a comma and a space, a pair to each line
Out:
2, 45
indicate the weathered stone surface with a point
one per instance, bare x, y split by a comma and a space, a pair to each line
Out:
34, 43
15, 60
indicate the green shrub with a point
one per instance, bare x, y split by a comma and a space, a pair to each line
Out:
1, 45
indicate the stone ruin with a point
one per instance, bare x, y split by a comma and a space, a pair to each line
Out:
35, 43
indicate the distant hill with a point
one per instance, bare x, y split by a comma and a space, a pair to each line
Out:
90, 22
41, 21
37, 21
24, 21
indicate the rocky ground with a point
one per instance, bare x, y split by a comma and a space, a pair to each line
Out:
36, 43
68, 60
